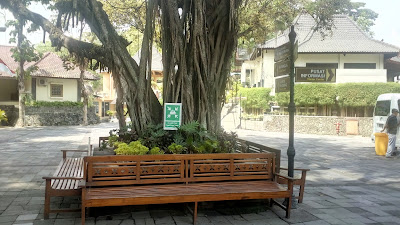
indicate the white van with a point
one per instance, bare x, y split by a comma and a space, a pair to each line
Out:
383, 108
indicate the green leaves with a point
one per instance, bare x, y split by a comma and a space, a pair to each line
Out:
349, 94
363, 94
3, 116
256, 98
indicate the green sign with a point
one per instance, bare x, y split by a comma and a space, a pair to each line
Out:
172, 116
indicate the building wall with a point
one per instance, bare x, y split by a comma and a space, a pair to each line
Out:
325, 125
264, 67
70, 90
8, 87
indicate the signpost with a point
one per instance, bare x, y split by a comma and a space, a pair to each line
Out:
285, 56
172, 116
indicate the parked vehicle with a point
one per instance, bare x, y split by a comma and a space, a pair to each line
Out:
383, 107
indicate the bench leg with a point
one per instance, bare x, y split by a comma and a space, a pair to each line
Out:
302, 186
83, 215
288, 206
47, 199
195, 213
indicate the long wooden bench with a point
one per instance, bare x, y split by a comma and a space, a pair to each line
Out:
65, 180
189, 178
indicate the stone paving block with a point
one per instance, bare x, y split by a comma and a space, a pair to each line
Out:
140, 214
374, 210
340, 213
358, 221
164, 220
27, 217
64, 221
183, 220
218, 219
335, 221
317, 222
108, 222
252, 216
44, 222
385, 219
8, 218
128, 222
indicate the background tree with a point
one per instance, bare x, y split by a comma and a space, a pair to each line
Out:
23, 53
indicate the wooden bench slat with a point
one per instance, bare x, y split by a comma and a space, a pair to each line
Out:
188, 193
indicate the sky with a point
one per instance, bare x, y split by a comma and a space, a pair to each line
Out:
387, 25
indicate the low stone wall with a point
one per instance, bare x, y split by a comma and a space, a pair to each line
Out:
12, 115
319, 124
58, 116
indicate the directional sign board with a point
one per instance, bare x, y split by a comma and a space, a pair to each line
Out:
315, 75
282, 68
295, 50
172, 116
282, 84
282, 52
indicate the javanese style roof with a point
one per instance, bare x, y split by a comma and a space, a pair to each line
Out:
345, 37
50, 65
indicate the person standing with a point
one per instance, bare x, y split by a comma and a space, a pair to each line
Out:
391, 126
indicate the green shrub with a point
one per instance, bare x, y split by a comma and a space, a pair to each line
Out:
134, 148
176, 149
57, 103
256, 98
156, 151
309, 95
3, 116
348, 94
363, 94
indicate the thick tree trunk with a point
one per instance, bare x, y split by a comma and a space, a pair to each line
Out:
120, 100
21, 76
197, 48
85, 95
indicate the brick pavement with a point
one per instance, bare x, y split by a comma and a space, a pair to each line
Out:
347, 184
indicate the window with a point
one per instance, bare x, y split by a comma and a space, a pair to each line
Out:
323, 65
382, 108
360, 65
56, 90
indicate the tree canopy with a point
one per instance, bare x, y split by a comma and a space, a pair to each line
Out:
198, 40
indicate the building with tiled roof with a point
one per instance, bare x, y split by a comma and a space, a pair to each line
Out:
347, 49
51, 81
345, 54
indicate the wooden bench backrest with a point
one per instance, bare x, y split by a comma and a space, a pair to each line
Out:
251, 147
179, 168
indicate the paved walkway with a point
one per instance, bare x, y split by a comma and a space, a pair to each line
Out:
347, 184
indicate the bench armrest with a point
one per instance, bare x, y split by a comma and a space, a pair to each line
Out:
64, 151
63, 178
82, 183
285, 177
282, 168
